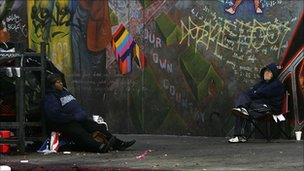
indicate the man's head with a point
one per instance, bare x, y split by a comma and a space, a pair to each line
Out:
267, 75
270, 72
55, 81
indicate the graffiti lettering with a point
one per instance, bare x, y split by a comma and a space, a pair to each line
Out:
178, 96
271, 3
237, 36
14, 23
235, 42
156, 41
163, 63
169, 87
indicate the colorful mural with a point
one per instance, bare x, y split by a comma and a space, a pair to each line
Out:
198, 55
50, 22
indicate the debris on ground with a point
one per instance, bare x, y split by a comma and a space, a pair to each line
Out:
24, 161
143, 155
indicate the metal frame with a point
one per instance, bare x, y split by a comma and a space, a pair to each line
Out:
290, 70
20, 123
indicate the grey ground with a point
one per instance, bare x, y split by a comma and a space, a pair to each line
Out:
173, 153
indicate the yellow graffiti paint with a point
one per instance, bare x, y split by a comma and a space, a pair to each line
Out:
49, 21
39, 16
60, 37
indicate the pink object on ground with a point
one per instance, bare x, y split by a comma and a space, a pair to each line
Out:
143, 155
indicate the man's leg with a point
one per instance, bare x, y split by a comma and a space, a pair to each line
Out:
258, 108
91, 126
115, 143
257, 7
239, 125
241, 105
236, 4
243, 100
256, 115
82, 137
233, 8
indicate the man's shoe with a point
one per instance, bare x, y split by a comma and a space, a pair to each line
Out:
244, 111
104, 148
240, 112
123, 145
237, 139
259, 11
230, 10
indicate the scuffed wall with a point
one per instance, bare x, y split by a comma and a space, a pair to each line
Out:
199, 56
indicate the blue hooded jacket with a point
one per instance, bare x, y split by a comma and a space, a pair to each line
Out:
269, 92
62, 107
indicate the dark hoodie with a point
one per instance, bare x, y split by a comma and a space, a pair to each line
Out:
62, 107
269, 92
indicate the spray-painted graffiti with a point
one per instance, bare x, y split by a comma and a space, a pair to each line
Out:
60, 38
49, 21
38, 22
132, 18
164, 64
5, 8
199, 56
244, 41
239, 35
179, 96
174, 92
135, 15
14, 23
271, 3
151, 38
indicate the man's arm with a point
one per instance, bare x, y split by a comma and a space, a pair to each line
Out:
252, 90
274, 89
53, 110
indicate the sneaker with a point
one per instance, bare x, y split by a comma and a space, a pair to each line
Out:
230, 10
259, 11
121, 145
125, 144
237, 139
244, 111
104, 148
240, 112
236, 109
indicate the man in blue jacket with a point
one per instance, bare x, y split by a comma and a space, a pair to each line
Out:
65, 115
263, 97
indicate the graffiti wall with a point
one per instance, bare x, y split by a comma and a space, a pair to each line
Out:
161, 66
13, 18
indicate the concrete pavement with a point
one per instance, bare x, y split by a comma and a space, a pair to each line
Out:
164, 152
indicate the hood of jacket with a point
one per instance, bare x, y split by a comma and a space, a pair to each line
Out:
274, 68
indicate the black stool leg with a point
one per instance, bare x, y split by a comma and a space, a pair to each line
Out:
268, 131
279, 125
255, 125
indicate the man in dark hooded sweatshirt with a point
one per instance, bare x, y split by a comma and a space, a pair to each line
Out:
65, 115
254, 103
